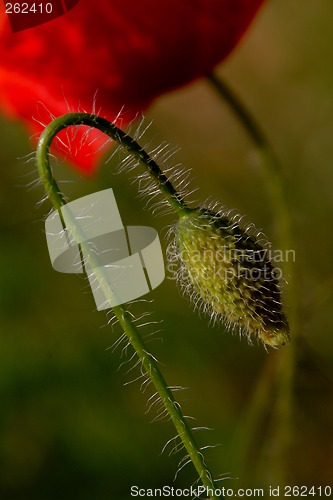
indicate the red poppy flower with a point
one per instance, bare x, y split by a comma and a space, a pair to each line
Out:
127, 51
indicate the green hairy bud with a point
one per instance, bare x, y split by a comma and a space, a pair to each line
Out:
229, 271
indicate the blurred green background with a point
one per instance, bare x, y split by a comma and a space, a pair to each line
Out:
69, 428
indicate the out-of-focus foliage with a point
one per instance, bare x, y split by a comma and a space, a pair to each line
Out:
69, 428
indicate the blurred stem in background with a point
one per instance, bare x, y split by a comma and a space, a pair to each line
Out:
278, 371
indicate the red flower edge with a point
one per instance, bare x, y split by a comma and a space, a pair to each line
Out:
127, 52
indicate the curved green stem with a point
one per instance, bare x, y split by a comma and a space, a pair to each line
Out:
118, 135
56, 197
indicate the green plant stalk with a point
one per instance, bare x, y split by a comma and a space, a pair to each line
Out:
285, 369
57, 199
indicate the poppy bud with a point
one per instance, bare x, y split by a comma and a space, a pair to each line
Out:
232, 274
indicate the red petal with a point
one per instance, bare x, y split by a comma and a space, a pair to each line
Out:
127, 51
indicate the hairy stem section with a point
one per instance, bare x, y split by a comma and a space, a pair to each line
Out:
115, 133
172, 406
148, 362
